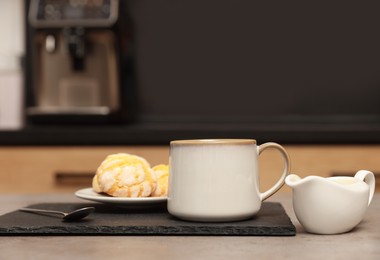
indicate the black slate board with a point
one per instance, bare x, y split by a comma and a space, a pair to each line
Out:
272, 220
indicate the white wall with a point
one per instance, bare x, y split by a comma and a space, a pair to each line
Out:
11, 33
11, 49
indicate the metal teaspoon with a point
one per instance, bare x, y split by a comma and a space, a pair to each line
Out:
70, 216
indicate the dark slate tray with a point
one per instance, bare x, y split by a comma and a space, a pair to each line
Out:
272, 220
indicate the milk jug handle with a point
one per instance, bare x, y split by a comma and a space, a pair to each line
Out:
285, 172
369, 178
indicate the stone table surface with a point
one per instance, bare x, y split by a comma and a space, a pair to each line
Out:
361, 243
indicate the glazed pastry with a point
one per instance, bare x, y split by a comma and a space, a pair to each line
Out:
162, 175
124, 175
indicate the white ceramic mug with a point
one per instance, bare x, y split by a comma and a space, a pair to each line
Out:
217, 179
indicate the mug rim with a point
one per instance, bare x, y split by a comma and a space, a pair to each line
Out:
212, 141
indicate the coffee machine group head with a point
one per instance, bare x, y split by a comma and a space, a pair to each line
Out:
74, 60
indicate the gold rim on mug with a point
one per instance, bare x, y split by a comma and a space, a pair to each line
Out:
213, 141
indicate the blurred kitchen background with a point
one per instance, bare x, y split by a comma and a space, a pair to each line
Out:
132, 75
161, 70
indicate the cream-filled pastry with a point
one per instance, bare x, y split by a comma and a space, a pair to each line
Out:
124, 175
162, 175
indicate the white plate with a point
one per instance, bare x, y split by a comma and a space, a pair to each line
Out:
90, 194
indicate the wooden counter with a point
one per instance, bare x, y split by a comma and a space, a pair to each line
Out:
60, 169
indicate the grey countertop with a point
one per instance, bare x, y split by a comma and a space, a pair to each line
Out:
361, 243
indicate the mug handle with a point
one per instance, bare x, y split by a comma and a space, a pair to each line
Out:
285, 172
369, 178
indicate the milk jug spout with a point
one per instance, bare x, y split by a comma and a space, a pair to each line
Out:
295, 181
292, 180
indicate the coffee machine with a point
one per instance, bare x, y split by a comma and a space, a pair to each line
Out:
76, 62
